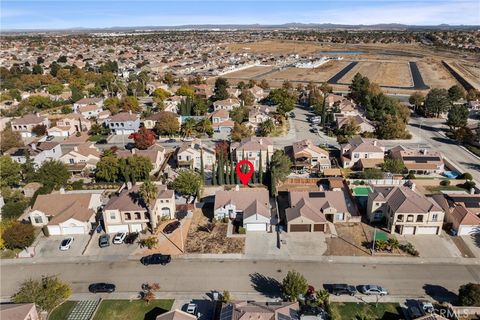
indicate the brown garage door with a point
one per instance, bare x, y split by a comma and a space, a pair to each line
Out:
319, 227
299, 228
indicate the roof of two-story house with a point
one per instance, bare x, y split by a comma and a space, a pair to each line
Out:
251, 206
221, 121
123, 123
370, 151
305, 154
406, 211
156, 155
363, 124
227, 104
25, 124
189, 155
419, 160
39, 152
250, 149
86, 155
462, 211
239, 310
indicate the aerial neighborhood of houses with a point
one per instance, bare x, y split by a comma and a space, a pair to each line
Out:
132, 149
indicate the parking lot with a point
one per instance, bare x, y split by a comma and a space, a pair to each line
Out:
112, 250
48, 247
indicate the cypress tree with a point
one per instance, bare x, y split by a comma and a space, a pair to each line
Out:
260, 169
273, 184
232, 172
221, 177
214, 175
227, 173
202, 169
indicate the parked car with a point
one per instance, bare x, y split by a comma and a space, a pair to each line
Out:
188, 139
119, 237
49, 138
292, 115
172, 226
131, 238
315, 130
171, 140
66, 243
341, 288
104, 241
373, 289
192, 309
156, 258
101, 287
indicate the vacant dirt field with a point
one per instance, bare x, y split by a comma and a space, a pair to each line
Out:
434, 73
277, 47
351, 240
470, 72
200, 240
248, 73
387, 73
322, 73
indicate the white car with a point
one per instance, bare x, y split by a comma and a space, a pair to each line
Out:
192, 309
119, 237
371, 289
187, 139
66, 243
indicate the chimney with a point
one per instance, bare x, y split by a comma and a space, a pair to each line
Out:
424, 151
75, 148
412, 186
62, 191
129, 185
33, 145
375, 142
237, 187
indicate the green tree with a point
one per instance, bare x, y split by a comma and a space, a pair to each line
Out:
392, 127
10, 172
239, 114
214, 175
130, 103
247, 97
188, 128
18, 236
37, 69
221, 175
293, 285
53, 174
456, 92
416, 99
372, 173
457, 117
393, 165
138, 166
28, 168
284, 100
220, 90
469, 295
188, 183
55, 89
280, 164
107, 169
112, 104
47, 293
168, 124
10, 139
240, 131
186, 91
436, 102
266, 127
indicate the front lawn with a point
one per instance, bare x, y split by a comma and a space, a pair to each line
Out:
62, 311
132, 310
354, 311
97, 137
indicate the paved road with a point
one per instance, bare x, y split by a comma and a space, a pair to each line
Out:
246, 277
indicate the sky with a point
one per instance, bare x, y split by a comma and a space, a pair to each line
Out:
64, 14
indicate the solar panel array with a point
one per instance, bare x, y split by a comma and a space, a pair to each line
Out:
227, 312
421, 159
317, 194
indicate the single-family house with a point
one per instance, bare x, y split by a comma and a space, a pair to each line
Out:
311, 211
341, 105
18, 311
39, 152
172, 103
65, 213
254, 149
359, 148
307, 156
90, 111
237, 310
256, 117
69, 125
363, 124
176, 315
156, 155
190, 155
85, 154
25, 124
128, 212
462, 212
221, 121
406, 212
257, 92
82, 103
123, 123
150, 121
227, 104
203, 90
421, 161
251, 207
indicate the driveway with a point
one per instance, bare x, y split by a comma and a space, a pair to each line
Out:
296, 246
473, 243
432, 246
112, 250
48, 247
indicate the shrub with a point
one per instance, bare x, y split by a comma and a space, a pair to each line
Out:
445, 183
150, 242
226, 296
77, 185
469, 184
411, 176
467, 176
410, 249
14, 209
19, 236
469, 295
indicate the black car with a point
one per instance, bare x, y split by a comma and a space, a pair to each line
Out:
131, 238
172, 226
101, 287
171, 141
338, 289
104, 241
156, 258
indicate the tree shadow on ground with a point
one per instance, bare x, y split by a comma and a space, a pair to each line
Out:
152, 314
265, 285
440, 293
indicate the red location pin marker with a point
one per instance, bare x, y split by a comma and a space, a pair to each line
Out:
244, 176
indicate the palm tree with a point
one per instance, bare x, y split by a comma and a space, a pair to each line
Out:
148, 192
188, 128
267, 127
393, 243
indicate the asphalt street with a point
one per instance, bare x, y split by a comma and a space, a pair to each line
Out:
246, 277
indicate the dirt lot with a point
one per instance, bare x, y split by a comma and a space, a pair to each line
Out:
385, 73
277, 47
249, 72
200, 240
351, 240
468, 71
322, 73
434, 73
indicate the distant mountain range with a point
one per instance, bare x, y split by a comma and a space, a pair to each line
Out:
286, 26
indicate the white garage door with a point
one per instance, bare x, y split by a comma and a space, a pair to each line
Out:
54, 230
256, 227
427, 230
467, 230
119, 228
135, 227
408, 230
73, 230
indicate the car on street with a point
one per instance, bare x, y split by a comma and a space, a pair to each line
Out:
187, 139
372, 289
192, 308
342, 288
315, 130
131, 238
104, 241
119, 237
66, 243
292, 115
170, 141
156, 258
101, 287
172, 226
49, 138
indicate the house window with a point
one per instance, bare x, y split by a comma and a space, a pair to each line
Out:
128, 216
356, 155
419, 218
138, 216
400, 218
72, 161
38, 219
113, 216
410, 218
435, 217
